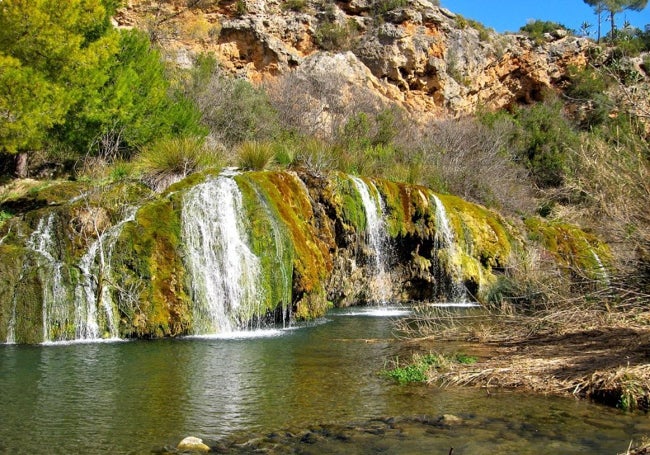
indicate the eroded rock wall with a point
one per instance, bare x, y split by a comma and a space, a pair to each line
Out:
418, 55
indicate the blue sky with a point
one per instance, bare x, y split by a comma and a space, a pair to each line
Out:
509, 15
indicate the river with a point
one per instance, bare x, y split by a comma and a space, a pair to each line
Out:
142, 396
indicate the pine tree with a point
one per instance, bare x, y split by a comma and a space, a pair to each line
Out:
614, 7
51, 56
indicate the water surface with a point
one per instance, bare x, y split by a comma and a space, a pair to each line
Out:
135, 397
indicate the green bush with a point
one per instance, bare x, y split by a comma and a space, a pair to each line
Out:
134, 107
315, 155
585, 83
408, 374
331, 36
536, 29
417, 370
545, 140
381, 7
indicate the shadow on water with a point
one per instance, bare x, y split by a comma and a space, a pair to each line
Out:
310, 389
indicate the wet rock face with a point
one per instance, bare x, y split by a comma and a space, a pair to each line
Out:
115, 262
418, 55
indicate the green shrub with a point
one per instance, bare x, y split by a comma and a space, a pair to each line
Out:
4, 216
241, 8
417, 370
121, 170
585, 83
167, 160
407, 374
546, 139
315, 155
381, 7
255, 156
536, 29
331, 36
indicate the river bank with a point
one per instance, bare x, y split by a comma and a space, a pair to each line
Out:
607, 364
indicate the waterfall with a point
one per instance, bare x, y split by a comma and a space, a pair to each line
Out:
93, 300
11, 329
224, 271
283, 249
602, 270
444, 240
55, 296
376, 238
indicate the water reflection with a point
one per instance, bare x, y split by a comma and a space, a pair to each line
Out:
133, 397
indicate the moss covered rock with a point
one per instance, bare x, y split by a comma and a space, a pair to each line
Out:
120, 251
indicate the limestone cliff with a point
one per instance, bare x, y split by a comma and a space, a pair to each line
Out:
420, 56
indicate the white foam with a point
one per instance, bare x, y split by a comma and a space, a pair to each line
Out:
454, 305
85, 341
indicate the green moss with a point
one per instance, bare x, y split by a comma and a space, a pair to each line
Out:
571, 246
483, 244
10, 271
312, 262
147, 259
58, 192
481, 233
348, 199
190, 181
270, 241
408, 209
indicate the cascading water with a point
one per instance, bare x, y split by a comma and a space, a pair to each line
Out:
602, 270
93, 301
444, 240
50, 268
376, 238
224, 271
282, 251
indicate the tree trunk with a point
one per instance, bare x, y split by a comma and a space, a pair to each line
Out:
611, 18
21, 165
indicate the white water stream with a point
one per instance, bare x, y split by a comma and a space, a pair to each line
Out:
224, 271
93, 300
55, 295
376, 238
445, 240
602, 270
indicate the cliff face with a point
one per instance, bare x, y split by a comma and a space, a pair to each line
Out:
413, 53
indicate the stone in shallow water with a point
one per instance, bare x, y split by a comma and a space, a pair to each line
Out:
193, 444
449, 420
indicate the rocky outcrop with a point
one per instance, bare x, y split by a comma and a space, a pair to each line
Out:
121, 261
415, 54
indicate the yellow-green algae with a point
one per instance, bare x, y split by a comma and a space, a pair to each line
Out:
11, 266
483, 242
409, 211
571, 246
344, 196
270, 241
295, 230
312, 261
147, 258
